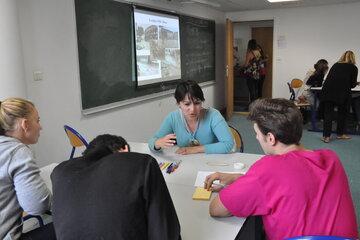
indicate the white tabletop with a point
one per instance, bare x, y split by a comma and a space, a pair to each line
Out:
195, 221
191, 164
355, 89
193, 215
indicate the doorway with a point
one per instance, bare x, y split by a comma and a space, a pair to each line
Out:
262, 31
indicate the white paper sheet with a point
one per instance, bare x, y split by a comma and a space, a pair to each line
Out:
201, 176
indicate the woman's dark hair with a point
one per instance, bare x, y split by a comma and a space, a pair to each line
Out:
190, 88
278, 116
252, 45
321, 66
111, 143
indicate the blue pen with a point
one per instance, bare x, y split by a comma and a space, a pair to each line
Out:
169, 168
176, 165
173, 167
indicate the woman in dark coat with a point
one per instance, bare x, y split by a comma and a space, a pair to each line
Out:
252, 61
337, 92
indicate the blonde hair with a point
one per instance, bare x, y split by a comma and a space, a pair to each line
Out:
12, 109
347, 57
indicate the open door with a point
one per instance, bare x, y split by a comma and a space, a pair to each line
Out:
229, 69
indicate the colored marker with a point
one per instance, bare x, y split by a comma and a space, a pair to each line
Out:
176, 166
169, 168
164, 165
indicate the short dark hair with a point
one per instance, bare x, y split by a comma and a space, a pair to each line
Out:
112, 143
321, 66
190, 88
278, 116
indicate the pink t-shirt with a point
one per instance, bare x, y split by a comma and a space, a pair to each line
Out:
298, 193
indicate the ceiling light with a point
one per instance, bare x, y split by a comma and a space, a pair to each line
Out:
274, 1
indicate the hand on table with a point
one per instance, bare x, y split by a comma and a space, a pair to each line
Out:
224, 179
190, 150
165, 142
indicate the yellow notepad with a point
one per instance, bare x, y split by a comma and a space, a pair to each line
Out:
201, 194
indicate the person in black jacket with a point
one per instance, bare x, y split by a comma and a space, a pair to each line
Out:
336, 91
316, 79
111, 193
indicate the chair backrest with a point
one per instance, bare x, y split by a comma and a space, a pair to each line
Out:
320, 238
37, 217
76, 140
238, 140
294, 84
292, 92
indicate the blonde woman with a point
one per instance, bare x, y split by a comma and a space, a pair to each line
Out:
336, 91
21, 187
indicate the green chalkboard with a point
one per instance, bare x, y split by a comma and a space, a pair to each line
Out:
105, 56
106, 53
197, 38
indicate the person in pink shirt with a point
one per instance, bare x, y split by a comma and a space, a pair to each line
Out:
298, 192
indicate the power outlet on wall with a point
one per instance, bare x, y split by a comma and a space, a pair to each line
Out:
38, 75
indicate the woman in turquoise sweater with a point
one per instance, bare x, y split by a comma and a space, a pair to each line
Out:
193, 128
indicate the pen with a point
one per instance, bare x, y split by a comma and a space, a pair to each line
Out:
176, 166
169, 168
173, 167
164, 165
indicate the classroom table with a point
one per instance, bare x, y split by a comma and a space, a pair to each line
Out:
316, 91
193, 215
191, 164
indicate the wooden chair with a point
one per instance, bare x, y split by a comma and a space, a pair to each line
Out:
76, 140
238, 139
294, 88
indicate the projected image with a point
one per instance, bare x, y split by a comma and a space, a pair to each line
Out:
157, 47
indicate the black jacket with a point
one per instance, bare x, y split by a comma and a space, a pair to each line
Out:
315, 80
112, 196
337, 87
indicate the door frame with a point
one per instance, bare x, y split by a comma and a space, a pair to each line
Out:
229, 78
229, 70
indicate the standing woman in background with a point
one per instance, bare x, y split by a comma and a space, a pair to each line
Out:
262, 70
21, 187
336, 91
314, 78
252, 69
